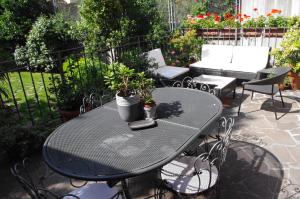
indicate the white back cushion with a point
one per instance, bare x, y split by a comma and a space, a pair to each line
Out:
155, 57
255, 57
216, 53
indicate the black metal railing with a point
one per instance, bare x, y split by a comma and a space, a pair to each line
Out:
28, 87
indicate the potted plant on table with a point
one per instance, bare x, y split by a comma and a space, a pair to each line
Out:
122, 80
289, 55
145, 88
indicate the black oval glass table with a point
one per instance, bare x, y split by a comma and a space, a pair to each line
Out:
99, 146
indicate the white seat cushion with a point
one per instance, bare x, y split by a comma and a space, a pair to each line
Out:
170, 72
156, 58
207, 64
179, 175
94, 191
217, 53
252, 58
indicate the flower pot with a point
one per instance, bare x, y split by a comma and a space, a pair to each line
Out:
68, 114
252, 32
150, 111
129, 108
274, 32
294, 80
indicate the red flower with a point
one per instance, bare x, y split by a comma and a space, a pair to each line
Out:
255, 9
200, 16
228, 16
246, 16
208, 14
275, 11
217, 18
269, 14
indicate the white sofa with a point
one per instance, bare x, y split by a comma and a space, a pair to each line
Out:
241, 62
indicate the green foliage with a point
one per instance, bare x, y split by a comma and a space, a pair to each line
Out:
81, 77
19, 141
17, 16
200, 7
185, 48
48, 34
289, 52
119, 78
145, 86
255, 23
109, 22
278, 21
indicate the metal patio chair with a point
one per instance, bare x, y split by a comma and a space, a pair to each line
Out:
93, 101
191, 175
267, 85
36, 189
161, 70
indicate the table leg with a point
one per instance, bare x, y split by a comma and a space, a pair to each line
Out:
125, 189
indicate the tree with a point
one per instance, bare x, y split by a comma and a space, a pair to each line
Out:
108, 22
16, 19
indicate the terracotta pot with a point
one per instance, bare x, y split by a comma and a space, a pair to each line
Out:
68, 115
252, 32
274, 32
281, 87
294, 80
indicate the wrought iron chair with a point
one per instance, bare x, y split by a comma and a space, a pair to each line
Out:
267, 85
191, 175
37, 190
188, 82
93, 101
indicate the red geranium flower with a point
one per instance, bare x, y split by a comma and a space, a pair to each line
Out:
269, 14
217, 18
275, 11
200, 16
208, 14
246, 16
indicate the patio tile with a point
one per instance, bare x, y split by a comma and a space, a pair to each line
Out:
279, 137
282, 153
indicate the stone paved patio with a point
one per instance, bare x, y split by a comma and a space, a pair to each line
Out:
263, 160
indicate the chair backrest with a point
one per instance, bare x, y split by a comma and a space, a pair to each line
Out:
216, 53
94, 101
155, 58
216, 155
21, 172
276, 76
188, 82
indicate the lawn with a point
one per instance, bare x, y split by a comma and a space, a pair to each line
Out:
40, 110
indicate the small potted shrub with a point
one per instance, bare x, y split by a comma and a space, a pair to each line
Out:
145, 88
121, 79
289, 55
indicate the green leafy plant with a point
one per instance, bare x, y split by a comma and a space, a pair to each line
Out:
185, 48
276, 22
145, 86
48, 34
289, 52
120, 78
17, 140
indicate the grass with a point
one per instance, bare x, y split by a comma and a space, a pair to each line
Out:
40, 110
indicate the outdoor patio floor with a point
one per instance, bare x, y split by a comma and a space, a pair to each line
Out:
263, 160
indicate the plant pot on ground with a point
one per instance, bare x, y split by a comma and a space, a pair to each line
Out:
121, 79
294, 80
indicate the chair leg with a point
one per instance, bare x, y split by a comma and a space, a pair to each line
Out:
281, 98
252, 95
273, 102
241, 101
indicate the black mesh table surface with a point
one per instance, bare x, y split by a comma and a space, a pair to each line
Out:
98, 145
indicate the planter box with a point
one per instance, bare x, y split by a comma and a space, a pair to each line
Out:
229, 33
252, 32
209, 32
274, 32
